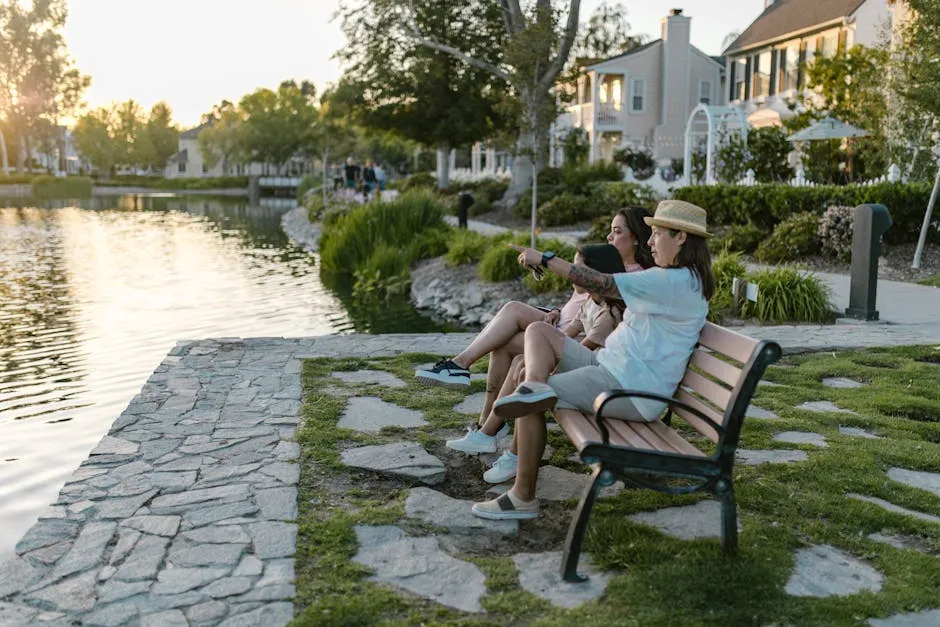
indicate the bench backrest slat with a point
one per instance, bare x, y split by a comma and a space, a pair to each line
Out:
720, 340
694, 421
714, 393
721, 370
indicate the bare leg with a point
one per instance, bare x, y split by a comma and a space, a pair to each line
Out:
494, 423
530, 434
513, 318
544, 347
501, 360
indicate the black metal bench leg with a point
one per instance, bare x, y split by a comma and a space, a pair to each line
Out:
729, 521
569, 562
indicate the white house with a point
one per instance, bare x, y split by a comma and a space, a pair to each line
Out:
62, 157
188, 162
764, 62
643, 98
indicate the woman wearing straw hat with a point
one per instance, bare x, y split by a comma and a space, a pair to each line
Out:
649, 350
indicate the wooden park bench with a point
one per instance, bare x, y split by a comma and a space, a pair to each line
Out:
712, 399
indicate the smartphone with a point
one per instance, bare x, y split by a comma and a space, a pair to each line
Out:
545, 309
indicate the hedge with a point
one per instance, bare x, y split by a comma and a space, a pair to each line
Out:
767, 205
159, 182
71, 187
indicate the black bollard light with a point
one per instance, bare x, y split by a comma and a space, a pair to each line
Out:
464, 201
871, 222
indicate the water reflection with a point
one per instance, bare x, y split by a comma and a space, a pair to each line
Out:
93, 296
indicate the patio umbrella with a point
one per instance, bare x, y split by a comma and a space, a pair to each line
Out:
828, 128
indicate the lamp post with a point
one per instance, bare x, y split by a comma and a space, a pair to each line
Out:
933, 199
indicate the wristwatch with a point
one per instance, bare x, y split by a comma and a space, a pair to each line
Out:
546, 257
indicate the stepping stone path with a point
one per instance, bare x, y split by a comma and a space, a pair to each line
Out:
842, 383
419, 566
821, 407
753, 411
929, 481
825, 571
439, 509
689, 522
369, 414
897, 509
858, 433
376, 377
184, 511
756, 457
801, 437
539, 574
900, 542
558, 484
916, 619
399, 459
472, 404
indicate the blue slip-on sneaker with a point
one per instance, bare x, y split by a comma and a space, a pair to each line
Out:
531, 397
445, 373
503, 469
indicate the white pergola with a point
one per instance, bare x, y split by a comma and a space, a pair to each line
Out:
711, 123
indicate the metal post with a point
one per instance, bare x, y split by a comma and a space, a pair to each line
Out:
926, 225
870, 223
535, 193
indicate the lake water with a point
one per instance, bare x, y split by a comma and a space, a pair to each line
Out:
93, 294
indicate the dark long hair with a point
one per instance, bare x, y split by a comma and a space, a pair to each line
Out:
604, 258
642, 232
694, 255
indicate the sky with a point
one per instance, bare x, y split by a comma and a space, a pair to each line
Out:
195, 53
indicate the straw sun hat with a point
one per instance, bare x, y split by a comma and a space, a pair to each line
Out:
680, 215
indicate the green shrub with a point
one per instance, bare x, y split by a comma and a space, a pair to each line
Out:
599, 230
16, 179
726, 267
71, 186
430, 243
383, 275
578, 181
159, 182
743, 238
424, 180
466, 247
315, 207
549, 282
767, 205
350, 239
793, 238
307, 183
614, 196
566, 209
835, 232
499, 263
787, 295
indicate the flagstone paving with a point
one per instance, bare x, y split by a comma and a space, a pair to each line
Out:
185, 512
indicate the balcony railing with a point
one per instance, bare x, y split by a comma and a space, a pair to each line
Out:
609, 114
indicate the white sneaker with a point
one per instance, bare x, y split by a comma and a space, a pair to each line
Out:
503, 469
476, 441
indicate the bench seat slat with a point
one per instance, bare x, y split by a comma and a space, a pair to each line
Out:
674, 439
717, 368
655, 436
738, 347
629, 436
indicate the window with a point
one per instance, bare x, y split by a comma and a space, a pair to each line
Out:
637, 95
617, 92
830, 45
705, 92
788, 68
181, 167
761, 85
205, 168
740, 78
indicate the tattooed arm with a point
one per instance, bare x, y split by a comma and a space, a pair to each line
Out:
595, 282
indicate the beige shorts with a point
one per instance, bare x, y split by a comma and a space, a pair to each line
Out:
579, 379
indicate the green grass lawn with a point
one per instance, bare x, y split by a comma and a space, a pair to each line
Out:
933, 281
656, 580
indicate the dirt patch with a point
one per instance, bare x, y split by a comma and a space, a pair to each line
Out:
894, 264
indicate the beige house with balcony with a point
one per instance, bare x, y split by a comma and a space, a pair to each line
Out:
642, 98
764, 63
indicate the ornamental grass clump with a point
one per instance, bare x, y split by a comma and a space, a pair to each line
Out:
726, 267
793, 239
465, 247
788, 295
835, 232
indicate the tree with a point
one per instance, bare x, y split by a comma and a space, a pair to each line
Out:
38, 82
770, 150
331, 136
534, 52
94, 141
392, 82
161, 135
275, 123
607, 33
222, 138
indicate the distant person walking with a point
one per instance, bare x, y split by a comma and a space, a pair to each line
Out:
351, 172
368, 179
379, 180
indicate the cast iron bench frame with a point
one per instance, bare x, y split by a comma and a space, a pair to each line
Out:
712, 398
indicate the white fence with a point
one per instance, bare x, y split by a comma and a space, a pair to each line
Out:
800, 180
466, 175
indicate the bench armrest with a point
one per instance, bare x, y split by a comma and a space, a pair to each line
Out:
602, 399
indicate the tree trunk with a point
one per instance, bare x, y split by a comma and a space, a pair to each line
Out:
21, 154
3, 155
527, 150
443, 166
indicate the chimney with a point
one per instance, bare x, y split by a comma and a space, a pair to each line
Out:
676, 67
